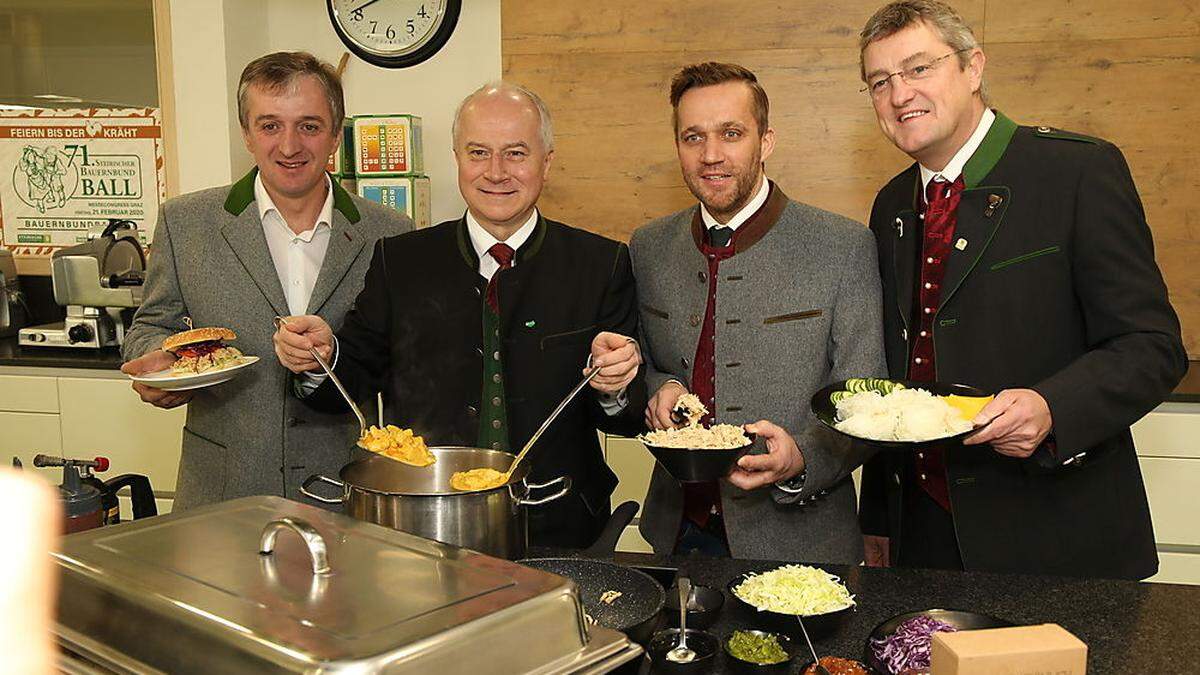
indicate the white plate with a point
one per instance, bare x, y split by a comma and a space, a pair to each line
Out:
164, 380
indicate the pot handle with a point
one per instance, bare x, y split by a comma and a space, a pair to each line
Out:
324, 479
564, 480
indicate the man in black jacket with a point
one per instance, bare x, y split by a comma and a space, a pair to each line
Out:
1018, 260
476, 328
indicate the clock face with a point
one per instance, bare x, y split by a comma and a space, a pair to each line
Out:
394, 33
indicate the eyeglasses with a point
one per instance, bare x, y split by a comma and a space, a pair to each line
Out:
879, 88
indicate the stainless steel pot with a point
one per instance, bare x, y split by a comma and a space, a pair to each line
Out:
419, 500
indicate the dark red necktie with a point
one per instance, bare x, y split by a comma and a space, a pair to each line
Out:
503, 254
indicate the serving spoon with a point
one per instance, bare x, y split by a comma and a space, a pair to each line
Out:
821, 670
554, 414
362, 421
682, 654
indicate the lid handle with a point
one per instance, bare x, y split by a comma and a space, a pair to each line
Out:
312, 539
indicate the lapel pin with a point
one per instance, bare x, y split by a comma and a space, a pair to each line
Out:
899, 227
961, 244
530, 324
994, 201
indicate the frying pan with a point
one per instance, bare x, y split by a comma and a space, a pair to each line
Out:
637, 611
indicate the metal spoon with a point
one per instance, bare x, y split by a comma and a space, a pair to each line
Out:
362, 421
821, 670
682, 654
538, 434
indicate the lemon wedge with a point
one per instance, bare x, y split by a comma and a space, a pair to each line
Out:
967, 406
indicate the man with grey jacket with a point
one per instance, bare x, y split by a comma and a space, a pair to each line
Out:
753, 302
283, 240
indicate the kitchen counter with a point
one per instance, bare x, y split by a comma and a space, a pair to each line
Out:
1129, 627
12, 354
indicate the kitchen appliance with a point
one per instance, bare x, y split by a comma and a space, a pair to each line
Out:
268, 585
420, 500
99, 282
14, 312
90, 502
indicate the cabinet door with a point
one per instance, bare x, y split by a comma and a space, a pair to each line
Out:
23, 435
105, 417
24, 393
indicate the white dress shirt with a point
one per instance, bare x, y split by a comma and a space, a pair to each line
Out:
482, 240
954, 167
297, 257
742, 215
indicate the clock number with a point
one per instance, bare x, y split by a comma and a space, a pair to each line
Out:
410, 27
422, 13
391, 32
374, 27
356, 15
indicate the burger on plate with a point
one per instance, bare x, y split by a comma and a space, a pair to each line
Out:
201, 350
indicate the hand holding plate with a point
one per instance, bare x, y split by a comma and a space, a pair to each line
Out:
1017, 421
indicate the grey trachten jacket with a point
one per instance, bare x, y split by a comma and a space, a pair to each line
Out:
796, 310
210, 262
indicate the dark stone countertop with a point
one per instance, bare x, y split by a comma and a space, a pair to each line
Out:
12, 354
1129, 627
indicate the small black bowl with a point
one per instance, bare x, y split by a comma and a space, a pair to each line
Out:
701, 642
807, 663
960, 619
818, 625
698, 465
741, 666
825, 411
703, 606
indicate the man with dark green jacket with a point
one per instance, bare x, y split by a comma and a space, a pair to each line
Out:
1018, 260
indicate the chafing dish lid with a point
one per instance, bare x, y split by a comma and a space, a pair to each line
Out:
386, 588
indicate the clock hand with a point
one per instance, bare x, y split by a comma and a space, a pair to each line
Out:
366, 4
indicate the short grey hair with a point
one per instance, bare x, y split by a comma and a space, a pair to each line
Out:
947, 23
546, 127
281, 71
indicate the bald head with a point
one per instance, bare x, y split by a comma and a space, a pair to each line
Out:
500, 100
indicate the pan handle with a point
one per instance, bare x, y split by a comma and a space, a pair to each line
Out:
323, 479
564, 480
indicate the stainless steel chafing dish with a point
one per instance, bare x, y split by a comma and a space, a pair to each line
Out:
192, 593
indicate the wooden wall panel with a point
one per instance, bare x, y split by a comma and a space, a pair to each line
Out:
1109, 68
1048, 21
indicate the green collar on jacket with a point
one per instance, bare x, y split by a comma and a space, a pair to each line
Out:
995, 142
523, 254
242, 193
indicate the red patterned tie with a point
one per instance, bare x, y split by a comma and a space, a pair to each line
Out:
503, 254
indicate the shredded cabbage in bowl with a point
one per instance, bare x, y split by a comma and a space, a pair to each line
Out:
795, 589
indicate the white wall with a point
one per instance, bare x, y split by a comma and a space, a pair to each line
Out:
213, 40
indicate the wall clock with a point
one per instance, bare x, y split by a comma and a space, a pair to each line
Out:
394, 33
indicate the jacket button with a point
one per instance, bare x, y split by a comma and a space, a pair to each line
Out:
683, 361
694, 320
294, 421
702, 276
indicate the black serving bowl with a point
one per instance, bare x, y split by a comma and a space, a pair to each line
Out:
825, 410
698, 465
818, 625
960, 619
703, 606
705, 645
792, 647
